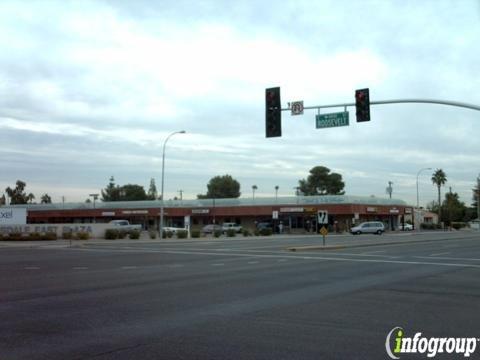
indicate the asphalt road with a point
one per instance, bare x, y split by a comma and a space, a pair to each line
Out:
240, 298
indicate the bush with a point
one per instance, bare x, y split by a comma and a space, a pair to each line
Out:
231, 233
15, 236
122, 234
50, 236
217, 233
266, 232
34, 236
67, 235
195, 233
182, 234
111, 234
82, 235
458, 225
169, 234
246, 232
152, 234
134, 235
256, 232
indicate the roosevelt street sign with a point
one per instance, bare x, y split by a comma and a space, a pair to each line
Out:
332, 120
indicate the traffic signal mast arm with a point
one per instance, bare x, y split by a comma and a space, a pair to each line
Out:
398, 101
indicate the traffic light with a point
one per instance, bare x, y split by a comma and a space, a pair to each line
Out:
362, 105
273, 113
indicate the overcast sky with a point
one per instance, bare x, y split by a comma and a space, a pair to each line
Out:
90, 89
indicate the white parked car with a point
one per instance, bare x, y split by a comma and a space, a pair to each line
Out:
228, 225
174, 230
474, 224
370, 227
406, 227
124, 225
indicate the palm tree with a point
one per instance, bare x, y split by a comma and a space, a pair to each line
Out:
254, 187
439, 178
276, 192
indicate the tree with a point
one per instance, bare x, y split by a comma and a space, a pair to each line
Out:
18, 195
3, 200
439, 178
322, 182
132, 192
221, 187
254, 188
45, 199
152, 190
111, 192
454, 209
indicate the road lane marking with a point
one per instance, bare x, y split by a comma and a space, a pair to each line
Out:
80, 268
129, 267
447, 258
315, 258
217, 264
175, 266
282, 260
31, 268
374, 252
253, 262
439, 254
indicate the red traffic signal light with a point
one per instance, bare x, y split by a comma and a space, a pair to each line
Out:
273, 112
362, 105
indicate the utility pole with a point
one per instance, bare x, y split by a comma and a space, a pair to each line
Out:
390, 189
478, 200
181, 194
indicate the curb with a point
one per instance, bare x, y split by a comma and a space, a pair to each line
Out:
348, 246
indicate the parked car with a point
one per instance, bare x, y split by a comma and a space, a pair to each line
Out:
124, 225
211, 228
173, 229
474, 224
264, 225
228, 225
370, 227
406, 227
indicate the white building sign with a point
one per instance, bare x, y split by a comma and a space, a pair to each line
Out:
13, 216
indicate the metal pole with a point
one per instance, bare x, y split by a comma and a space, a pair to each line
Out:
398, 101
163, 179
418, 173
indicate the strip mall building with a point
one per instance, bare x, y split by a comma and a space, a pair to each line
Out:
296, 213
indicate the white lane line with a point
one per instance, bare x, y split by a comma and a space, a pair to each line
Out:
374, 252
129, 267
80, 268
31, 268
317, 258
439, 254
282, 260
175, 266
217, 264
448, 258
253, 262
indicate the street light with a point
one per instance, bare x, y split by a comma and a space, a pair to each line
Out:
163, 178
95, 197
418, 173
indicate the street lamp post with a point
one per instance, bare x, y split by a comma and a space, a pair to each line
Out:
163, 178
418, 173
95, 197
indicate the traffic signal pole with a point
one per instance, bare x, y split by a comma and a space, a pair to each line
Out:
398, 101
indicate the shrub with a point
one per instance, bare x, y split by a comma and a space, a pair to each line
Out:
83, 235
152, 234
50, 236
134, 234
15, 236
182, 234
111, 234
231, 233
195, 233
459, 225
122, 234
34, 236
266, 232
67, 235
246, 232
164, 234
169, 234
217, 233
256, 232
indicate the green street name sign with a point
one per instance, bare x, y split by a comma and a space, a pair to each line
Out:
332, 120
